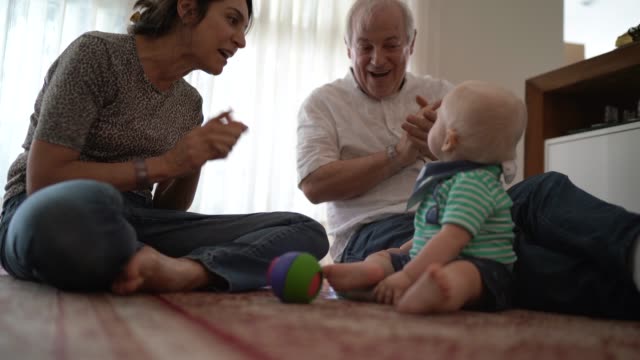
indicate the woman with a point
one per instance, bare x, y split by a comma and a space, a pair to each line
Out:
115, 117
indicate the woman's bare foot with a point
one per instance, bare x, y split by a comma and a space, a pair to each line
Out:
150, 271
353, 276
442, 289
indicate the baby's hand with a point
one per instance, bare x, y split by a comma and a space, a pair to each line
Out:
391, 289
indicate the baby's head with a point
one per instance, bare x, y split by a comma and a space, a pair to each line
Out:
478, 122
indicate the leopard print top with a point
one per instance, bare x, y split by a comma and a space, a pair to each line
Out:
97, 100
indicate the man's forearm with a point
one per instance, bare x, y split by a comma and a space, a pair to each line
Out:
347, 179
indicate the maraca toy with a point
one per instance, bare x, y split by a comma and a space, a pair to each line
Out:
295, 277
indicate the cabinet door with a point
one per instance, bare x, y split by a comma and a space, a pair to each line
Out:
605, 163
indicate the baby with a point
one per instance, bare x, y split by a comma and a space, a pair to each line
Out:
461, 254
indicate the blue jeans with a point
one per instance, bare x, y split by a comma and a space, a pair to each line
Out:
78, 235
390, 232
572, 249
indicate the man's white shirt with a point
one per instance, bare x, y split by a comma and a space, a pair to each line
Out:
338, 121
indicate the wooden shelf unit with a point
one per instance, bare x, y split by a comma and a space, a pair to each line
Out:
574, 97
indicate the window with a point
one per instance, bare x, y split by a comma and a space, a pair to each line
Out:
32, 35
598, 23
293, 47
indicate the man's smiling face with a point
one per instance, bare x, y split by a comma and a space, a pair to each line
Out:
380, 51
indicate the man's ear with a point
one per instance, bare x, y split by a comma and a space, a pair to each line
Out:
413, 41
348, 48
187, 11
450, 141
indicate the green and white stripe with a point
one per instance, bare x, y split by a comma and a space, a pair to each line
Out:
475, 201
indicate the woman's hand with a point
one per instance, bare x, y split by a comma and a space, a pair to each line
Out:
418, 125
213, 140
391, 289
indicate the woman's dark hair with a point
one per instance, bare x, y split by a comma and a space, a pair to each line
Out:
157, 17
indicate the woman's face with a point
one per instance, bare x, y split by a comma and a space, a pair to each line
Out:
219, 34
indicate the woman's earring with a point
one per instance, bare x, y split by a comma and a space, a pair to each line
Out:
189, 17
135, 17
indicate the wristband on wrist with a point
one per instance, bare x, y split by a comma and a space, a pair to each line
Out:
391, 152
142, 173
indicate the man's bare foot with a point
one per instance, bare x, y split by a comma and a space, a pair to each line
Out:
150, 271
442, 289
353, 276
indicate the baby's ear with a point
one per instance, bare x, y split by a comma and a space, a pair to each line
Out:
450, 141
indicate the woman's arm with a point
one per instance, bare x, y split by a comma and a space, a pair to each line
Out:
176, 194
50, 163
214, 140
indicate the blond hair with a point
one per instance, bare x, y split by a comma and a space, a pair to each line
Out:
488, 120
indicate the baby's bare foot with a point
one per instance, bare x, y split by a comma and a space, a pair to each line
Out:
353, 276
430, 293
150, 271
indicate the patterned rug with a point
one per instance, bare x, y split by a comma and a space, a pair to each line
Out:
38, 322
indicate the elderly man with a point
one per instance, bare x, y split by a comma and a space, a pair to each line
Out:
353, 148
362, 142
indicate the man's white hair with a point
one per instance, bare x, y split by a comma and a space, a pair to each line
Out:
363, 9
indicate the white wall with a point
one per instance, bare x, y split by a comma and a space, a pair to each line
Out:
502, 41
598, 23
612, 151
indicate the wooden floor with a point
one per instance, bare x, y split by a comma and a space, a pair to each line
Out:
38, 322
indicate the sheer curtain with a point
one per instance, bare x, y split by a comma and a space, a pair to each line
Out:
293, 47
